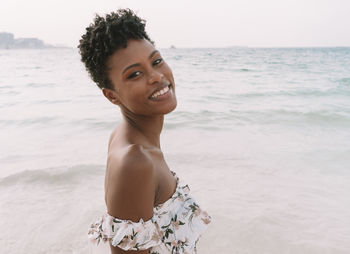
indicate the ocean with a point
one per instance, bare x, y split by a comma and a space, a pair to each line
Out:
261, 135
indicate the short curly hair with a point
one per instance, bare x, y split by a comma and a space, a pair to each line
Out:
106, 35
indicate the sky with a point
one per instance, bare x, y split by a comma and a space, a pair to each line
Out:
190, 23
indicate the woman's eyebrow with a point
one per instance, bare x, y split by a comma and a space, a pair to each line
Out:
152, 54
130, 66
137, 64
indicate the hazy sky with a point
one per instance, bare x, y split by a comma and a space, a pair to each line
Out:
190, 23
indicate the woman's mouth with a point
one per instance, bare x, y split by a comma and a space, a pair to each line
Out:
161, 93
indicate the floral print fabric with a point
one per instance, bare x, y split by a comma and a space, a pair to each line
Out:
175, 227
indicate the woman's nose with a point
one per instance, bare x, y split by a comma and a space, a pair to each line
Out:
155, 76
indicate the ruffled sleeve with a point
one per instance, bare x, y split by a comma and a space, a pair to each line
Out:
125, 234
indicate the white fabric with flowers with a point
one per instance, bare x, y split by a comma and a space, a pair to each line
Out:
175, 227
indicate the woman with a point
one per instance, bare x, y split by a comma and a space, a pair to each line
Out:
148, 209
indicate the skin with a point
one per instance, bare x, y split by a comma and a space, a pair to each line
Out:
137, 176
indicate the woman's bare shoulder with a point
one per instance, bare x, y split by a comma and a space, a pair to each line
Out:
121, 152
131, 184
127, 159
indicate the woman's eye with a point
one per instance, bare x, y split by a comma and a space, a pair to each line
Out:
134, 74
158, 61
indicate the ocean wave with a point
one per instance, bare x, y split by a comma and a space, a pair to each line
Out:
51, 101
56, 121
205, 119
344, 81
10, 92
98, 124
8, 105
40, 84
28, 121
298, 93
244, 70
6, 86
282, 116
52, 176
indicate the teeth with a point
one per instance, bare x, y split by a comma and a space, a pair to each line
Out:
163, 91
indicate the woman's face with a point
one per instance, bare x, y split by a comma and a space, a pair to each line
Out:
143, 82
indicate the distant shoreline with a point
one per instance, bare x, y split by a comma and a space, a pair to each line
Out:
8, 41
41, 48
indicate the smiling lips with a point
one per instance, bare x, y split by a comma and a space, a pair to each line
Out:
160, 92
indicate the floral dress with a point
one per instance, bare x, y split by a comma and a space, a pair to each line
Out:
175, 227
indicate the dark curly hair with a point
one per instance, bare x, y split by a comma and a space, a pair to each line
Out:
106, 35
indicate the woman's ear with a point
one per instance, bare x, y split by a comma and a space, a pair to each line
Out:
111, 95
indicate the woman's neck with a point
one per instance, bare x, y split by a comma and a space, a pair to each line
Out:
144, 130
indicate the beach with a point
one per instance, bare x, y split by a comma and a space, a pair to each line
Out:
261, 135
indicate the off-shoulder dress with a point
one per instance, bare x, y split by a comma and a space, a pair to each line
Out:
175, 227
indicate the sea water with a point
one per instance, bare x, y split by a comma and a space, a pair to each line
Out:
261, 135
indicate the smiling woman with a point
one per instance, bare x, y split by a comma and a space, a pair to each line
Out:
149, 210
141, 78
